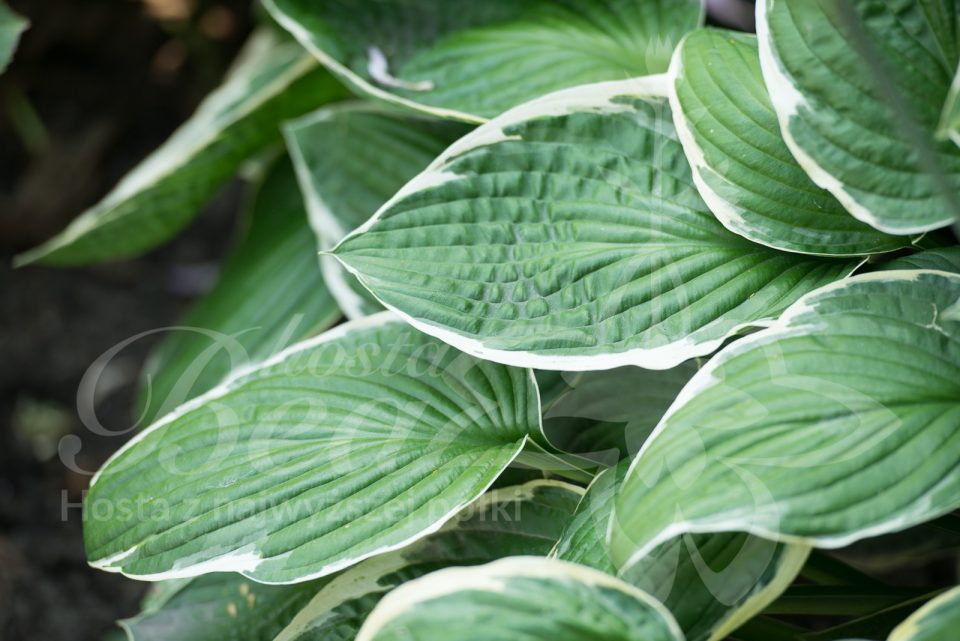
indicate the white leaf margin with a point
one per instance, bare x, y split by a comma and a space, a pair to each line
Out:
245, 560
595, 97
491, 577
705, 378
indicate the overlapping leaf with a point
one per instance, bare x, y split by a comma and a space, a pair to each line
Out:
11, 26
568, 234
347, 445
859, 88
474, 60
515, 520
351, 159
519, 520
936, 621
837, 423
946, 259
274, 80
520, 597
711, 583
740, 163
270, 294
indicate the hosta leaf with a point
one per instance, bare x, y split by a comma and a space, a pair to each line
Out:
519, 597
524, 519
858, 88
471, 61
567, 234
519, 520
811, 430
272, 81
938, 620
950, 117
11, 26
740, 163
711, 583
945, 259
350, 159
270, 294
223, 605
347, 445
631, 397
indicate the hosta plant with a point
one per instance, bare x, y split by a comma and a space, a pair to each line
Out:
569, 319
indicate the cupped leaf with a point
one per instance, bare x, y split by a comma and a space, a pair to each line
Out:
515, 520
740, 163
938, 620
520, 597
567, 234
711, 583
344, 446
270, 294
945, 259
858, 88
471, 61
272, 81
350, 159
811, 430
222, 605
11, 26
519, 520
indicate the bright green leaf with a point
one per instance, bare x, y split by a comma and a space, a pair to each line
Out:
950, 117
270, 294
519, 520
350, 159
837, 423
519, 598
473, 60
567, 234
271, 82
711, 583
741, 165
858, 88
344, 446
11, 26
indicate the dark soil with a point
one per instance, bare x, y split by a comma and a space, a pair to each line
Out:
106, 83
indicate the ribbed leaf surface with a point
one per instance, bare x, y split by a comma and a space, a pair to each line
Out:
859, 87
348, 445
742, 166
838, 423
474, 60
568, 234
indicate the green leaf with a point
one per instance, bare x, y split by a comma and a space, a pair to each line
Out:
741, 165
567, 234
270, 294
11, 26
949, 126
520, 520
626, 401
525, 519
272, 81
222, 606
938, 620
350, 159
471, 61
945, 259
711, 583
519, 597
858, 88
809, 431
344, 446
